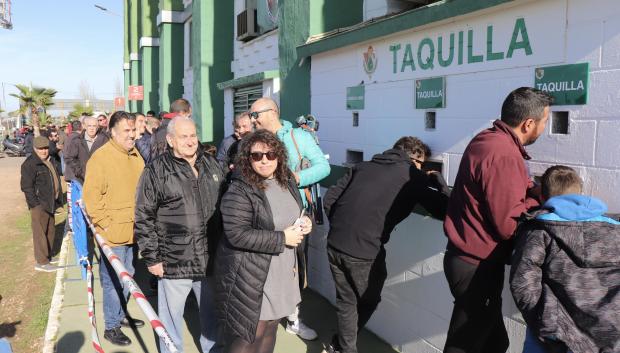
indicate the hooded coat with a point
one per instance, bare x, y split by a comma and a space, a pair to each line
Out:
565, 275
366, 204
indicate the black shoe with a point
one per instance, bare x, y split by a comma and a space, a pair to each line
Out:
329, 348
131, 322
117, 337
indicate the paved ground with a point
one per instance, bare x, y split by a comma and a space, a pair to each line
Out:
74, 332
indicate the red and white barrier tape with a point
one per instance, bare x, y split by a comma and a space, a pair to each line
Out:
128, 281
69, 215
91, 308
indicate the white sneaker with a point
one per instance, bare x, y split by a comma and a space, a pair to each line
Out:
298, 328
46, 268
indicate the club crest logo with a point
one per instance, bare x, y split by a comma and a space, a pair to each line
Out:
540, 73
370, 61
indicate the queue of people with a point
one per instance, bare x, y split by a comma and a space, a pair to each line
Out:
232, 228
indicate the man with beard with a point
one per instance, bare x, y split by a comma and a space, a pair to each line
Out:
491, 191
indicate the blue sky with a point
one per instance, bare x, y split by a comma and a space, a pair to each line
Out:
57, 44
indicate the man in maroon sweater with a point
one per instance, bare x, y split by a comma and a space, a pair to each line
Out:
491, 190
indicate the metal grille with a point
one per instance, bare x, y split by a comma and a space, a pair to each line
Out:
245, 96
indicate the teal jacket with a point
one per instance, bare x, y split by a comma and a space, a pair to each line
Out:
310, 150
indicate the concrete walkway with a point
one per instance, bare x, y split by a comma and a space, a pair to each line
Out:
74, 331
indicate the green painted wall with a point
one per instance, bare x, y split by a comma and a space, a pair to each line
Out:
298, 20
126, 29
212, 52
170, 64
171, 5
150, 77
149, 10
136, 80
134, 25
127, 80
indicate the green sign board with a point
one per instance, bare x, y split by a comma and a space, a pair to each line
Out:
430, 93
355, 97
568, 84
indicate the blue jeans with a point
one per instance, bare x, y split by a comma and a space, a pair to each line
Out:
171, 296
115, 295
532, 344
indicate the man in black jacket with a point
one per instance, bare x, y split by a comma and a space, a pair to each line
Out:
177, 224
80, 146
363, 208
41, 186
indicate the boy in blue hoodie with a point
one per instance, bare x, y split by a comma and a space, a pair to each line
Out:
565, 275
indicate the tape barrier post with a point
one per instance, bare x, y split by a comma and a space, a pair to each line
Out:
91, 309
128, 281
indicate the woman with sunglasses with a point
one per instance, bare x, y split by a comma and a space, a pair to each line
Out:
257, 281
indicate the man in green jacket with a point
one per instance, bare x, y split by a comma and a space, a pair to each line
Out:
300, 145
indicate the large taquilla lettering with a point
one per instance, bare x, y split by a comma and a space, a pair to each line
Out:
440, 51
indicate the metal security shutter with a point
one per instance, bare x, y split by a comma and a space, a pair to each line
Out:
245, 96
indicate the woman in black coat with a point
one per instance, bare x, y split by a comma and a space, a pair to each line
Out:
256, 267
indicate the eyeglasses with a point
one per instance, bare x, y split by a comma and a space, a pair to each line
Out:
258, 156
254, 115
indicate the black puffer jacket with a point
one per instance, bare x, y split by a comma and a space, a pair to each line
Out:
177, 220
38, 185
243, 258
565, 276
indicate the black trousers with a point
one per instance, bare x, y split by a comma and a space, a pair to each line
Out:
359, 283
477, 324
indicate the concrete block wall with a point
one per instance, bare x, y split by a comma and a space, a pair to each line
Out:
416, 306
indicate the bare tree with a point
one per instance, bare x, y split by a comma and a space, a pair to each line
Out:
86, 91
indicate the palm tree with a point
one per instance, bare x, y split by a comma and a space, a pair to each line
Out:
78, 109
33, 100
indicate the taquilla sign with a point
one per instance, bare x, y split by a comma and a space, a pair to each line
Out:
507, 38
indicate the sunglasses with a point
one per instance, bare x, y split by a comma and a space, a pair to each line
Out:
258, 156
254, 115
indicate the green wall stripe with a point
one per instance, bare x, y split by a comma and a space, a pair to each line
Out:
171, 5
149, 10
150, 77
134, 25
249, 80
212, 52
408, 20
170, 64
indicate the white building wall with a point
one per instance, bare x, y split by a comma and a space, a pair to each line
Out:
415, 311
257, 55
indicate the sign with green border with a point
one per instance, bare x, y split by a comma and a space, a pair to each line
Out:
568, 84
355, 97
430, 93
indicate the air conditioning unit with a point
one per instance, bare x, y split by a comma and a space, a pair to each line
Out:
247, 26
